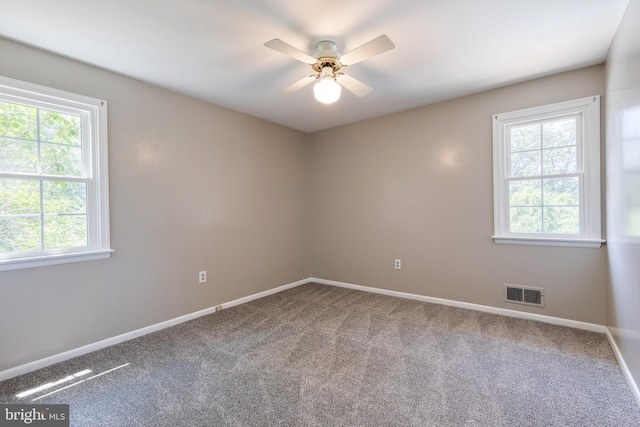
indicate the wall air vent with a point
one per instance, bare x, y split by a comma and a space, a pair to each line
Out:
524, 295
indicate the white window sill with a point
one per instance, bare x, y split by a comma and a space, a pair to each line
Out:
547, 241
44, 260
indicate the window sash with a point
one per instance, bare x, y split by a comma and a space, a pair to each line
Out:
91, 242
517, 124
542, 205
85, 124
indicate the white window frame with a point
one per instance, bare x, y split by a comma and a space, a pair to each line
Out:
588, 155
93, 113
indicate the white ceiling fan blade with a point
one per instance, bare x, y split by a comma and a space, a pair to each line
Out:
298, 85
374, 47
287, 49
354, 85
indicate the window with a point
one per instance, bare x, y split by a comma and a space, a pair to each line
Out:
53, 177
546, 164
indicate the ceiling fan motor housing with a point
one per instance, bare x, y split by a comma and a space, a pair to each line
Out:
327, 55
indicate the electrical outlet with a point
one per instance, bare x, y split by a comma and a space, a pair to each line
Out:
398, 264
202, 277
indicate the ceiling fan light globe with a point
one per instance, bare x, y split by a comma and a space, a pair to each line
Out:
327, 91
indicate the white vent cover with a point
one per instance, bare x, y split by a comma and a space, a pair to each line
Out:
524, 295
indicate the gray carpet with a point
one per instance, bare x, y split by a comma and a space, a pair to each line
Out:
319, 355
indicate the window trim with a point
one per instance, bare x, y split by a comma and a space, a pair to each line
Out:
589, 168
98, 231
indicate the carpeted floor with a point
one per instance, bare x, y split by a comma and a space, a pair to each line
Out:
319, 355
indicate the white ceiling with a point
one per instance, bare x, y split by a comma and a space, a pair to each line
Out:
213, 49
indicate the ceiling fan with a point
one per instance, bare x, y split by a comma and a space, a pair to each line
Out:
327, 64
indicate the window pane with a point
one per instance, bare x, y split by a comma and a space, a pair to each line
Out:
61, 197
19, 234
559, 133
18, 121
525, 193
525, 138
59, 127
559, 160
525, 220
18, 155
19, 197
61, 159
525, 163
65, 231
562, 220
561, 192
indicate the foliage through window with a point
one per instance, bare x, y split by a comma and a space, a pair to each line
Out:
547, 174
53, 176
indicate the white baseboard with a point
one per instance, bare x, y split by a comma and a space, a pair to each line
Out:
264, 293
61, 357
625, 370
477, 307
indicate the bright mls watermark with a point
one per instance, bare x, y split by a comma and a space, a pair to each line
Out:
34, 415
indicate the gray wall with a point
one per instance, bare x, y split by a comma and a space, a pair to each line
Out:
418, 186
623, 188
193, 187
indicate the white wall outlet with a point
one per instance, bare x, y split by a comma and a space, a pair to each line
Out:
398, 264
202, 277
